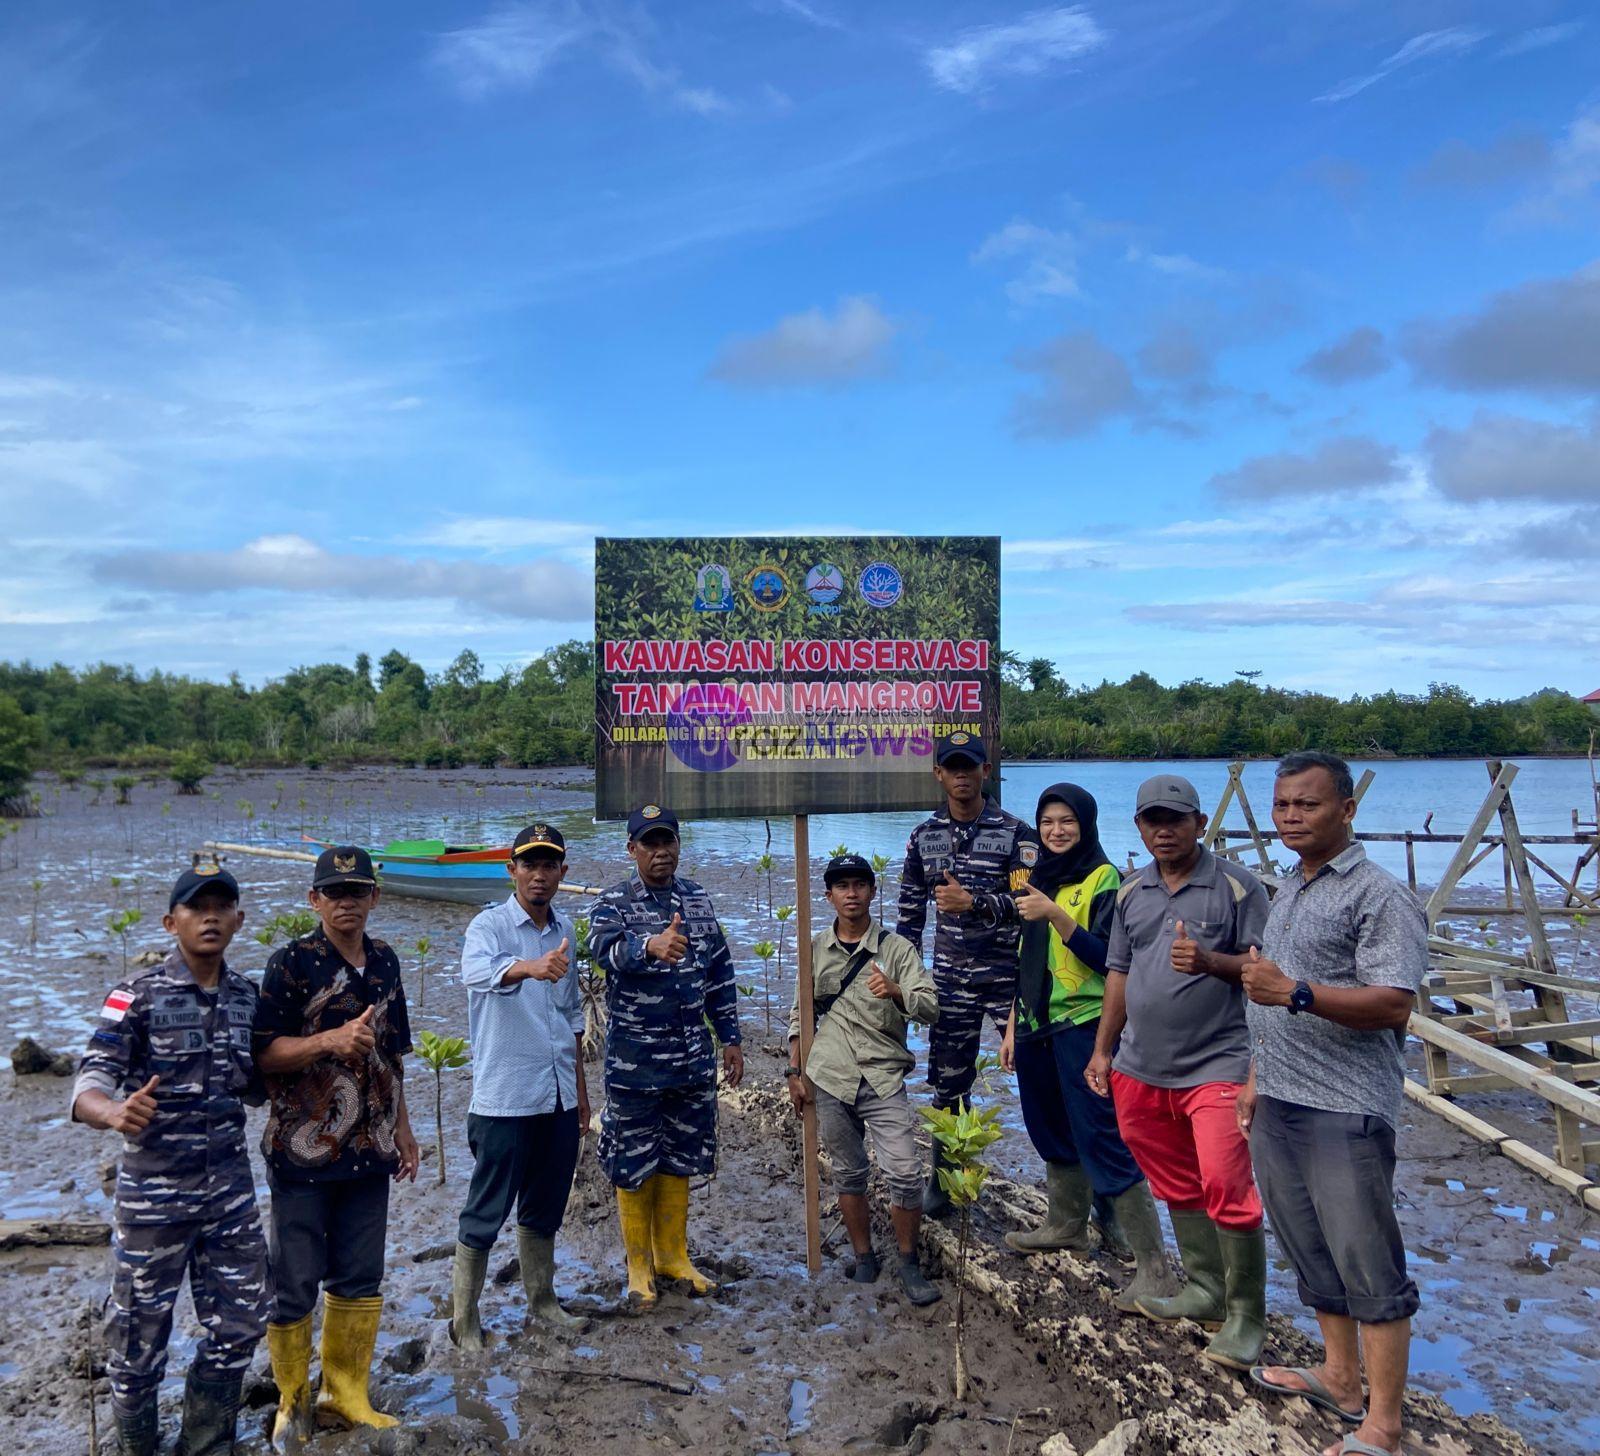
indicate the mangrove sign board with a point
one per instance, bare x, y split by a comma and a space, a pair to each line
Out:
762, 676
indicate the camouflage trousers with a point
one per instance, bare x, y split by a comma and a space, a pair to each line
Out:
664, 1130
226, 1262
953, 1038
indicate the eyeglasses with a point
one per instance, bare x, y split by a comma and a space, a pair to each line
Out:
346, 892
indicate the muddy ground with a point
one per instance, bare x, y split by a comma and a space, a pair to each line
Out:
1509, 1266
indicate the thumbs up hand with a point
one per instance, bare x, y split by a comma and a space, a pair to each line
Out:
1188, 957
1264, 981
134, 1114
553, 964
352, 1041
670, 945
950, 896
1033, 903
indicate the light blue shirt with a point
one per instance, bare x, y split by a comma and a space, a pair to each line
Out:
524, 1047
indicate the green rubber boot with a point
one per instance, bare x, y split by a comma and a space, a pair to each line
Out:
1244, 1258
537, 1255
1201, 1299
1136, 1214
466, 1285
1066, 1225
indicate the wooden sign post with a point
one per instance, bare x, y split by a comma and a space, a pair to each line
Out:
804, 986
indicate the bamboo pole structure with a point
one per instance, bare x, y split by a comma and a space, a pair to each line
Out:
805, 992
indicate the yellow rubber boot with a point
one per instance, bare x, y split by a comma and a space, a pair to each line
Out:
636, 1205
349, 1333
670, 1233
289, 1347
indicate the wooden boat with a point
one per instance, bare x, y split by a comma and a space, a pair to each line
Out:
432, 869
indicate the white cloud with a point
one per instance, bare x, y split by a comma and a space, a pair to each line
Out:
513, 47
539, 591
509, 533
1085, 384
811, 348
1038, 42
1452, 41
1540, 37
1177, 265
808, 13
1049, 260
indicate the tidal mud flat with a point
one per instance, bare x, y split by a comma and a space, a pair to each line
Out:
1509, 1266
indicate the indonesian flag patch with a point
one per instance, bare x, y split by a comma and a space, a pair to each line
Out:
117, 1004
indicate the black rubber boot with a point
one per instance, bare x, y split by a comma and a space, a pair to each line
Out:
137, 1432
918, 1287
210, 1415
935, 1201
865, 1270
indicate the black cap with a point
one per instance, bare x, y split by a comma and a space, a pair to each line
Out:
192, 881
961, 745
651, 816
847, 867
342, 864
539, 836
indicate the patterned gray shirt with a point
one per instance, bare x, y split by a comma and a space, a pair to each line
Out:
1352, 924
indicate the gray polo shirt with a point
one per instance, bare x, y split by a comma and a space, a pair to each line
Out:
1184, 1031
1351, 924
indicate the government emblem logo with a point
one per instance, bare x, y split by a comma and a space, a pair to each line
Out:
344, 863
650, 811
713, 589
824, 585
880, 585
768, 587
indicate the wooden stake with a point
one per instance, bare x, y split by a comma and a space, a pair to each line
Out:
802, 930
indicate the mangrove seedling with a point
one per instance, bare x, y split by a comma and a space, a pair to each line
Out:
443, 1054
838, 851
124, 784
119, 925
592, 982
421, 948
765, 950
764, 867
784, 913
880, 863
33, 931
961, 1134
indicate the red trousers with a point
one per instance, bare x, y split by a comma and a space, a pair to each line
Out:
1187, 1142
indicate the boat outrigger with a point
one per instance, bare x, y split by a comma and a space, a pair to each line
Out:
424, 869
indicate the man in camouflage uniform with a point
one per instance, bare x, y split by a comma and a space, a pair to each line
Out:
667, 970
169, 1067
971, 857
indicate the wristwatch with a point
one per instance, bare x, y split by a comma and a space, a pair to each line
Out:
792, 1072
1300, 998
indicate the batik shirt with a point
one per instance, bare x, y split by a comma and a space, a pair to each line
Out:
331, 1119
190, 1164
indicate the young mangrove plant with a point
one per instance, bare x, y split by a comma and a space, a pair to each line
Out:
961, 1135
443, 1054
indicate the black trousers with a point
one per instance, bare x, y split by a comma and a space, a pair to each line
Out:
330, 1233
528, 1161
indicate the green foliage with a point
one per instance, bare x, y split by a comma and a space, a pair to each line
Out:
124, 784
838, 851
119, 925
962, 1135
443, 1053
19, 739
290, 925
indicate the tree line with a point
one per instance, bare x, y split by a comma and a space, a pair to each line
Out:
332, 715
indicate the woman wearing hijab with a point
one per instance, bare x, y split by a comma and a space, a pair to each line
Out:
1066, 912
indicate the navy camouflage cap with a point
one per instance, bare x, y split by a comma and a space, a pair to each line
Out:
200, 877
961, 745
651, 816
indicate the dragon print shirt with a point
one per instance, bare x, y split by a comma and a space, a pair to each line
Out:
333, 1119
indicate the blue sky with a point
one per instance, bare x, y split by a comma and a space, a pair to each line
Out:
1265, 336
